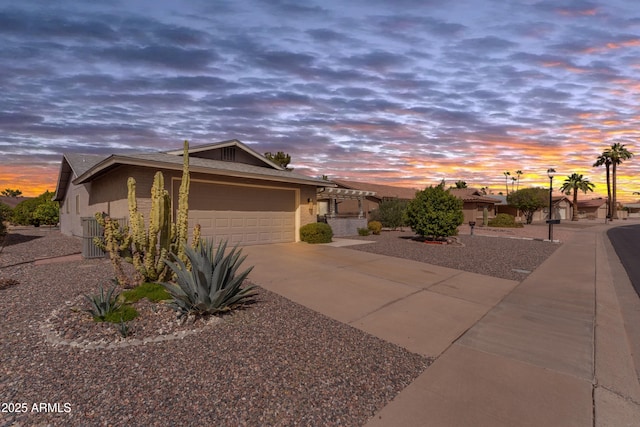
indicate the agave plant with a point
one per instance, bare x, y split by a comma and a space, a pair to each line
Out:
103, 304
212, 285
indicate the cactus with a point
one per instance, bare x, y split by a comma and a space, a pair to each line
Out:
182, 220
485, 216
147, 248
117, 243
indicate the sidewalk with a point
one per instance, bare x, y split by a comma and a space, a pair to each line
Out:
553, 350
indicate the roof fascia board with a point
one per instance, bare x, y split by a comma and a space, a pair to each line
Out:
122, 160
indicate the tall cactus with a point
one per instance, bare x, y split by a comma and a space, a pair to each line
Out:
117, 243
182, 220
147, 248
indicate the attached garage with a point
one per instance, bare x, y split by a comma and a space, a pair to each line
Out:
243, 214
236, 194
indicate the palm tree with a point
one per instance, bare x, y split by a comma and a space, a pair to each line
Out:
617, 153
518, 172
572, 184
461, 184
507, 174
604, 159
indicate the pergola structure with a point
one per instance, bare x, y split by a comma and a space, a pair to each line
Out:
334, 195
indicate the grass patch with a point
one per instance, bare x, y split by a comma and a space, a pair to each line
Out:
124, 313
152, 291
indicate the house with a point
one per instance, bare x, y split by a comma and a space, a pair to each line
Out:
592, 209
235, 192
474, 204
633, 210
367, 198
562, 209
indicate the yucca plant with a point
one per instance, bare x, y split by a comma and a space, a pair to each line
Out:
103, 304
212, 285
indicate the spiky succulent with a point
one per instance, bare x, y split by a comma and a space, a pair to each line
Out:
213, 285
103, 304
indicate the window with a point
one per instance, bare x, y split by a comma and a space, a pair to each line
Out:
77, 204
229, 154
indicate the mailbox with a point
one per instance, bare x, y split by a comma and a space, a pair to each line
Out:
553, 221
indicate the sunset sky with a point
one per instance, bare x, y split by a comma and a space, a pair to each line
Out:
402, 92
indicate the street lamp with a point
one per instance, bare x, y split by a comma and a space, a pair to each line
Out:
550, 173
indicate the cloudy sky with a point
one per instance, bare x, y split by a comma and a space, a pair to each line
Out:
402, 92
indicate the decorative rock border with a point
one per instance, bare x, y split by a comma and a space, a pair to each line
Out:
52, 336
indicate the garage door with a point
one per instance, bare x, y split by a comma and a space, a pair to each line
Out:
243, 215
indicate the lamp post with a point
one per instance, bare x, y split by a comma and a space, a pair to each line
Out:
550, 173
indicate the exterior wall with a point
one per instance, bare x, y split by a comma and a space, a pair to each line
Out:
594, 212
108, 193
474, 212
349, 207
346, 226
74, 207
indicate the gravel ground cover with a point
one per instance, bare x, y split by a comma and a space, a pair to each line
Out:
492, 254
275, 363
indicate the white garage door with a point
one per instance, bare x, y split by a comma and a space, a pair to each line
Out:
244, 215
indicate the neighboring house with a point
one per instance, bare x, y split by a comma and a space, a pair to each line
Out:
592, 209
474, 204
633, 210
562, 209
363, 198
235, 192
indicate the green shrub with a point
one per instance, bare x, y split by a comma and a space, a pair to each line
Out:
504, 220
152, 291
317, 232
363, 231
391, 213
375, 227
435, 212
211, 285
124, 313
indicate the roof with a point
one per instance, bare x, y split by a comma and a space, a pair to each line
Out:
81, 168
12, 202
592, 203
229, 143
472, 195
381, 191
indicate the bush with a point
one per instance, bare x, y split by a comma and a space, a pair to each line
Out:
375, 227
317, 232
504, 220
363, 231
391, 213
211, 285
5, 215
435, 212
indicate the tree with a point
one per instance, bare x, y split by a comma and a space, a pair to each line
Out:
5, 214
617, 153
24, 212
8, 192
280, 158
572, 184
47, 213
605, 160
529, 200
435, 212
518, 173
461, 184
507, 174
390, 213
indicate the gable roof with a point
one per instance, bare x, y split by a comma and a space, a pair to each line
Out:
194, 151
382, 191
80, 169
591, 203
472, 195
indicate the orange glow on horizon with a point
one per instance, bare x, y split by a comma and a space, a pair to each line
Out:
31, 180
